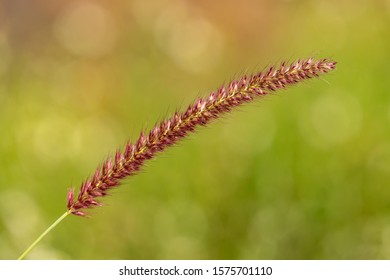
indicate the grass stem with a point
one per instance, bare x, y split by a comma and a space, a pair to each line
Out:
63, 216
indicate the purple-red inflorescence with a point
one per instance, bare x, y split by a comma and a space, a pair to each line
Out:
129, 161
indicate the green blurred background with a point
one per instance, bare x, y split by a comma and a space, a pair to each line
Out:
301, 175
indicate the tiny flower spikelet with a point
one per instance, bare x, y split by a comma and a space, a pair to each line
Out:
244, 90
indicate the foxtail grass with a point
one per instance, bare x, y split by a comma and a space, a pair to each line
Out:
131, 159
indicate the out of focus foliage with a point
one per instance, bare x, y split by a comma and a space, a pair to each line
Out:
301, 175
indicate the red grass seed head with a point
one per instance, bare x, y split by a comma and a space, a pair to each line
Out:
200, 113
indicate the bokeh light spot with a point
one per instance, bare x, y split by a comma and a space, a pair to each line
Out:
332, 119
193, 42
19, 214
56, 138
86, 29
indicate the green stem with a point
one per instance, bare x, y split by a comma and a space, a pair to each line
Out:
43, 235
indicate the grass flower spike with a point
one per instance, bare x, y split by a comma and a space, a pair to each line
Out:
200, 113
170, 131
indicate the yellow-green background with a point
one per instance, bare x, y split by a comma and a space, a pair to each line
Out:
304, 174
